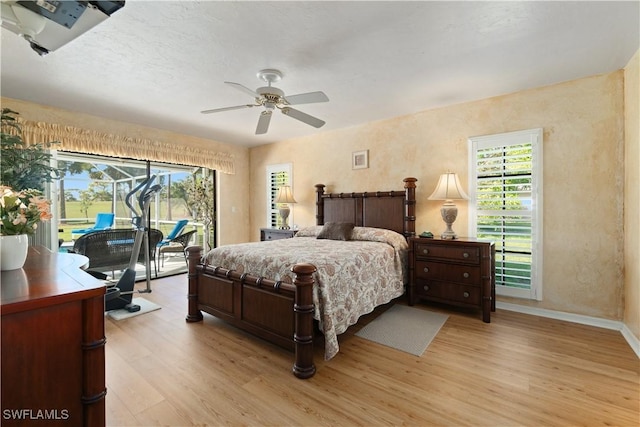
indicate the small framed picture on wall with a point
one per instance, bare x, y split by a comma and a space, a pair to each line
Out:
360, 159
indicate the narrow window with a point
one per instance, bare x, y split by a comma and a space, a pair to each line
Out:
505, 183
277, 176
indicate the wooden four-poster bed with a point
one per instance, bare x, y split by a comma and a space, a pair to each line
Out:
276, 297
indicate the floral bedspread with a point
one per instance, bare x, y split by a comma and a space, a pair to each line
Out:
352, 278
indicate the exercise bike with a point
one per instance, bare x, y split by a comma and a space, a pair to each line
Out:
119, 295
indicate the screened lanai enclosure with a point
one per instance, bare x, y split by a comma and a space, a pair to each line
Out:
92, 185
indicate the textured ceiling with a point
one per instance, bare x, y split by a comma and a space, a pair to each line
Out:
159, 63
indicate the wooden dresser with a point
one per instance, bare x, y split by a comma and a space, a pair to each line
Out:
53, 366
459, 272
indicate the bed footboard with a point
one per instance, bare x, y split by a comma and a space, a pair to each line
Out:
278, 312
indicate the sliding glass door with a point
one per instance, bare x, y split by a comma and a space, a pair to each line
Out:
94, 184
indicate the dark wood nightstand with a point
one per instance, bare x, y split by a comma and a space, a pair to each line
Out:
276, 234
459, 272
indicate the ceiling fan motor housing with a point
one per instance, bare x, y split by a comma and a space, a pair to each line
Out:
270, 94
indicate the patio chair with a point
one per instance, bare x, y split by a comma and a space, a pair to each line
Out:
177, 229
110, 250
177, 245
104, 221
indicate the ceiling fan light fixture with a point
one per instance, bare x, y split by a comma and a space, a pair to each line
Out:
271, 98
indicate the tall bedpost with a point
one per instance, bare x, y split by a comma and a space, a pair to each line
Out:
319, 204
410, 207
195, 254
303, 309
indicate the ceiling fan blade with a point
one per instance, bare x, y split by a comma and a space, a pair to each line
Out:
263, 122
303, 117
217, 110
306, 98
244, 89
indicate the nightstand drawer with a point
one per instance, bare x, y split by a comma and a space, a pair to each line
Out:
467, 274
267, 234
448, 292
453, 253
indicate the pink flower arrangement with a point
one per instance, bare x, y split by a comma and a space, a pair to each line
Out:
21, 211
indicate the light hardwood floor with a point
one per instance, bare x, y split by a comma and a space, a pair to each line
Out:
519, 370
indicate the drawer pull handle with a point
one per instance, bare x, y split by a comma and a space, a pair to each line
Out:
425, 251
426, 288
465, 275
426, 269
466, 294
465, 255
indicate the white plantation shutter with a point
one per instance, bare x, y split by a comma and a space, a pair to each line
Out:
506, 193
277, 176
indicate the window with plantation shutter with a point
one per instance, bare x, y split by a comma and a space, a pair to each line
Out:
277, 176
505, 184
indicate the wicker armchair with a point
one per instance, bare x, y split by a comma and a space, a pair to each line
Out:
110, 250
177, 245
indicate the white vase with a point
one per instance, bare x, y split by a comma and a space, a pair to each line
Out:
13, 251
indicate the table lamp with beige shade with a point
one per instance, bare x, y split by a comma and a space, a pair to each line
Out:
449, 189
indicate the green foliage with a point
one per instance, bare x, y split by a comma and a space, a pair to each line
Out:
23, 166
97, 191
86, 200
73, 168
179, 189
200, 196
201, 201
101, 191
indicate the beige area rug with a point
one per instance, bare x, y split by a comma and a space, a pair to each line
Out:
404, 328
145, 307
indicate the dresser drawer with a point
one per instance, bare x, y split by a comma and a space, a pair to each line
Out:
453, 253
448, 292
467, 274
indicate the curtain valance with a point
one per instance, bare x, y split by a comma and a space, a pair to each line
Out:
80, 140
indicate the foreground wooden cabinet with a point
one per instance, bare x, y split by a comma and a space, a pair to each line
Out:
53, 367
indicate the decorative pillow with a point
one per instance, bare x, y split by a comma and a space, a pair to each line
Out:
311, 231
336, 231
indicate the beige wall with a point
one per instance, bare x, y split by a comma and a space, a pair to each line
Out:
632, 195
233, 209
583, 177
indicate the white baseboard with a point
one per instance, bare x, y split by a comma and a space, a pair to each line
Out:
633, 341
615, 325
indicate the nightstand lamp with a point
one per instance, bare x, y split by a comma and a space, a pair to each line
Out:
449, 189
284, 197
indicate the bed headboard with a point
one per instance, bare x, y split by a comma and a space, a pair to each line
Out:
393, 210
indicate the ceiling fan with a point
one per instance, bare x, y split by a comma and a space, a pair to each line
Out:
271, 97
